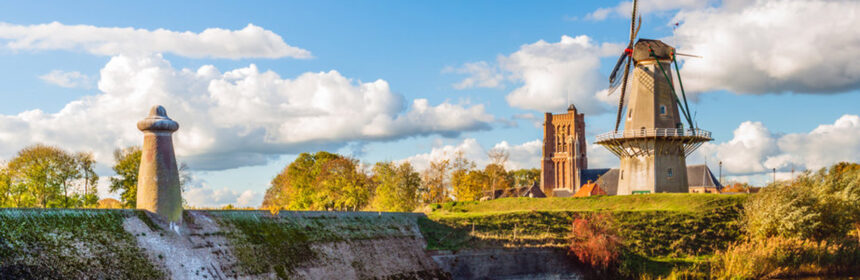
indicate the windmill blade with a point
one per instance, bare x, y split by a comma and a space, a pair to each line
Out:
639, 25
614, 80
634, 30
690, 55
623, 91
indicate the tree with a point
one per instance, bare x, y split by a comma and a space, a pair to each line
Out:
321, 181
470, 186
496, 169
396, 187
524, 177
86, 163
5, 186
435, 184
45, 176
126, 167
343, 186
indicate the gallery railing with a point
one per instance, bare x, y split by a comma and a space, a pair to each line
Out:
655, 132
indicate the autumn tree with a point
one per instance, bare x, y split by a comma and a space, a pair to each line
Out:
471, 185
127, 165
321, 181
396, 187
46, 176
434, 188
5, 186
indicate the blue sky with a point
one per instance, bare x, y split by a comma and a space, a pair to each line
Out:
420, 49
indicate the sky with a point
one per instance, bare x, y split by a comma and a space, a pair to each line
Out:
254, 85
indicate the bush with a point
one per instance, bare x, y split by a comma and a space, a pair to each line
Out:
786, 257
595, 241
824, 205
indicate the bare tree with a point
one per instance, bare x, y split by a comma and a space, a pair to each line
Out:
498, 158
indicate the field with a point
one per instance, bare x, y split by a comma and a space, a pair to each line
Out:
660, 231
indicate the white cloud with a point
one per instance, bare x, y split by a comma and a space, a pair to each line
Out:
524, 155
771, 47
236, 118
556, 74
202, 195
552, 75
624, 8
481, 75
251, 41
754, 149
73, 79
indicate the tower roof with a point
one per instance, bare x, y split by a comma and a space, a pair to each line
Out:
661, 50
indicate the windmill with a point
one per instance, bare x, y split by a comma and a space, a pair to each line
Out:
654, 143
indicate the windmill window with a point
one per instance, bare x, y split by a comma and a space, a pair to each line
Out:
622, 174
669, 172
662, 109
630, 114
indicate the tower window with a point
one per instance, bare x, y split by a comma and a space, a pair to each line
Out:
662, 109
630, 114
622, 174
669, 173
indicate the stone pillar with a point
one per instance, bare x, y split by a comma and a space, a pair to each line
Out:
158, 189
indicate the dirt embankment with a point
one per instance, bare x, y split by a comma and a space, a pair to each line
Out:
131, 244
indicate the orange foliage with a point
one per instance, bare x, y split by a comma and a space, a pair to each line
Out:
595, 241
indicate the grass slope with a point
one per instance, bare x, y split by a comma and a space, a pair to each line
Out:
263, 242
70, 244
679, 202
660, 231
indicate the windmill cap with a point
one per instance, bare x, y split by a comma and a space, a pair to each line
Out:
643, 47
157, 121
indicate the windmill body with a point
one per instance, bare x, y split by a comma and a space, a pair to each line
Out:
653, 143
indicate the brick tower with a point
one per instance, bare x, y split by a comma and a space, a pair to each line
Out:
564, 155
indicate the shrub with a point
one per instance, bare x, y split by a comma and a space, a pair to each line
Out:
595, 241
785, 257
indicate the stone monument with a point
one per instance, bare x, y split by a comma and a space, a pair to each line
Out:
158, 189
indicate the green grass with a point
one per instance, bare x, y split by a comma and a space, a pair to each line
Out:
650, 202
265, 243
70, 244
661, 232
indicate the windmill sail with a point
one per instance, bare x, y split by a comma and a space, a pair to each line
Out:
628, 54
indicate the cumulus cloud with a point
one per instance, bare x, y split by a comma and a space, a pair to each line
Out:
771, 46
524, 155
250, 42
202, 195
624, 8
552, 75
73, 79
235, 118
755, 149
481, 75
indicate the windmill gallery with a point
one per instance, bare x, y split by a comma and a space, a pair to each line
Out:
652, 145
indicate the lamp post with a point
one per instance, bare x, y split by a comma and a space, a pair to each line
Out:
774, 176
721, 173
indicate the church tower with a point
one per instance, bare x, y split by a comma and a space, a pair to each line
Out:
564, 152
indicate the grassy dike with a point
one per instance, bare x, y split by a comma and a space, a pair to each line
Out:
263, 242
660, 231
71, 244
